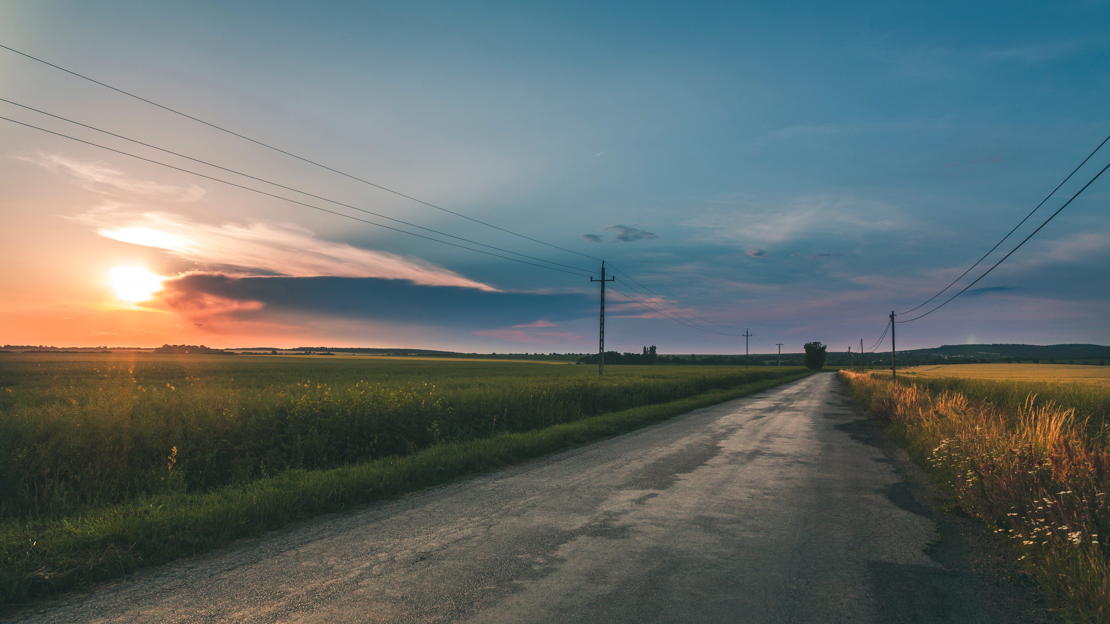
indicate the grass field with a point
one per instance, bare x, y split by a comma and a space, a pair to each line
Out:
1028, 458
109, 462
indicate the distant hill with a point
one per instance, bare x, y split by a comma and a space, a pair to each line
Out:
956, 354
1019, 351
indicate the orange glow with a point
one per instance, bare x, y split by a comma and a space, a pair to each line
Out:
133, 284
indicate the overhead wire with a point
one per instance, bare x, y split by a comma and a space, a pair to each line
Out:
879, 342
987, 272
663, 299
980, 260
292, 155
671, 315
288, 188
286, 199
647, 304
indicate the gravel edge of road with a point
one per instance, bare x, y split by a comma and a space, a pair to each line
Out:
964, 545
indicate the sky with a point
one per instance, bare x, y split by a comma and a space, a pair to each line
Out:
796, 170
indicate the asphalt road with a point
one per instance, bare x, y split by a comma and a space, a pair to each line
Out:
779, 507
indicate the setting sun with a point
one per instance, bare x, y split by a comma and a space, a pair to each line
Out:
134, 284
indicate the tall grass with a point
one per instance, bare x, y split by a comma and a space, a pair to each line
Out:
1090, 402
82, 432
1034, 471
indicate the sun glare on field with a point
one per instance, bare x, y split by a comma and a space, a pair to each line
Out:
133, 284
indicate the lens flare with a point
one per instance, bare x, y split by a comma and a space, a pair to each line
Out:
133, 284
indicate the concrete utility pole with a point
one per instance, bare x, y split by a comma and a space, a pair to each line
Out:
747, 334
601, 335
893, 348
780, 352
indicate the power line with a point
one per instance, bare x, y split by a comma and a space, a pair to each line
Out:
670, 314
1012, 250
663, 299
879, 342
291, 154
649, 305
288, 188
292, 201
977, 262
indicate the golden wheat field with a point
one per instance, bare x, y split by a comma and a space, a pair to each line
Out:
1095, 375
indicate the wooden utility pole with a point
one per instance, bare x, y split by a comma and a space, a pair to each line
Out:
780, 352
601, 335
862, 359
893, 348
849, 358
747, 334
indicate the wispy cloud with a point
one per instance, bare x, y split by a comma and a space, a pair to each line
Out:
767, 222
536, 324
941, 63
842, 129
102, 178
975, 292
756, 253
624, 234
977, 161
524, 337
263, 248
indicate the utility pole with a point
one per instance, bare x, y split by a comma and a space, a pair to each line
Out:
747, 334
601, 335
893, 349
849, 358
862, 357
780, 352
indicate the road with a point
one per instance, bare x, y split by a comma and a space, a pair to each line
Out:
777, 507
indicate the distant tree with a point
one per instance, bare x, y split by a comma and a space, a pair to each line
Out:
815, 356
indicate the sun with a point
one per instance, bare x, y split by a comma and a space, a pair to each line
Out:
133, 284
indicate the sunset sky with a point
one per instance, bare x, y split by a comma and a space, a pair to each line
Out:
796, 169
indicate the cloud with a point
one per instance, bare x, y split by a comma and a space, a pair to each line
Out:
624, 234
841, 129
102, 178
975, 292
220, 298
627, 234
757, 253
739, 221
537, 324
263, 248
523, 337
974, 162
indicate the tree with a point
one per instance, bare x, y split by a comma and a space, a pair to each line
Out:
815, 356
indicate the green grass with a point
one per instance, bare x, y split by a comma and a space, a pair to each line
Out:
478, 417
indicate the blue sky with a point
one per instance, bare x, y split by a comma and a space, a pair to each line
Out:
799, 169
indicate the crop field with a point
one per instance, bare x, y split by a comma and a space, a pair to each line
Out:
1084, 389
1062, 373
1030, 459
81, 430
113, 461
